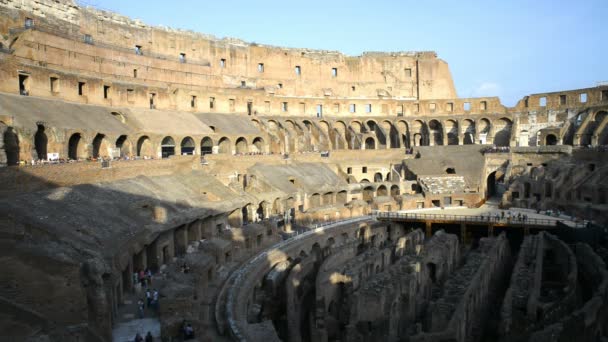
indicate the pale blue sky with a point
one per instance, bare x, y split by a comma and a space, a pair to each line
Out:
507, 48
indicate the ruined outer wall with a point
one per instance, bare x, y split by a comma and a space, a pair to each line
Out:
56, 43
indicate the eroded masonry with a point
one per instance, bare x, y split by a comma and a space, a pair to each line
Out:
263, 193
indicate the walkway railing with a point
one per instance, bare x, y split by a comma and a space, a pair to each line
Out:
486, 219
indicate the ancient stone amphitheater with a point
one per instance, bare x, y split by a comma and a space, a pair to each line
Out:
283, 194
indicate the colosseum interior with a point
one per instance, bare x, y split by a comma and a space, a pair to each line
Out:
268, 194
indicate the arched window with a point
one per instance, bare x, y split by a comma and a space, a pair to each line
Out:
167, 147
187, 146
206, 146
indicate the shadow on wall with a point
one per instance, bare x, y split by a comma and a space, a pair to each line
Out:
74, 250
10, 145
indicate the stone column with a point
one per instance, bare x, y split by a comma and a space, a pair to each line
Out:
463, 233
429, 229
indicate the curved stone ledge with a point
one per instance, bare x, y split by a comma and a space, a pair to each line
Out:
240, 284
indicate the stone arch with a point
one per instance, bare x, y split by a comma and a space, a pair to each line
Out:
224, 146
484, 128
382, 191
123, 146
502, 135
328, 198
241, 146
378, 131
276, 206
341, 197
468, 130
206, 146
258, 145
392, 139
75, 146
101, 146
144, 146
188, 147
11, 144
451, 131
315, 200
435, 132
167, 147
378, 177
368, 194
395, 191
404, 133
550, 139
41, 142
370, 143
599, 128
262, 210
357, 127
420, 133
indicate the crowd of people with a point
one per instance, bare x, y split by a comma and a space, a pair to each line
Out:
496, 149
35, 162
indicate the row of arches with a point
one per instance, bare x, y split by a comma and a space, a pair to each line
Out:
371, 134
77, 146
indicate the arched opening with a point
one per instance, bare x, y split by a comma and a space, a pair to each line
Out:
258, 145
404, 133
206, 146
328, 198
224, 146
11, 144
491, 185
370, 144
382, 191
315, 200
341, 197
120, 145
550, 139
41, 142
436, 132
368, 194
187, 146
395, 191
483, 131
167, 147
100, 146
261, 212
450, 171
73, 146
377, 177
502, 137
451, 128
421, 133
144, 147
241, 146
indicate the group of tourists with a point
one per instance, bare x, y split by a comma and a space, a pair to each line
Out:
148, 338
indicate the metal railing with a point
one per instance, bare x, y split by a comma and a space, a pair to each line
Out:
513, 220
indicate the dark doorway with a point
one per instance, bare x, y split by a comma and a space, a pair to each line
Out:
550, 139
11, 145
41, 142
491, 185
73, 145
